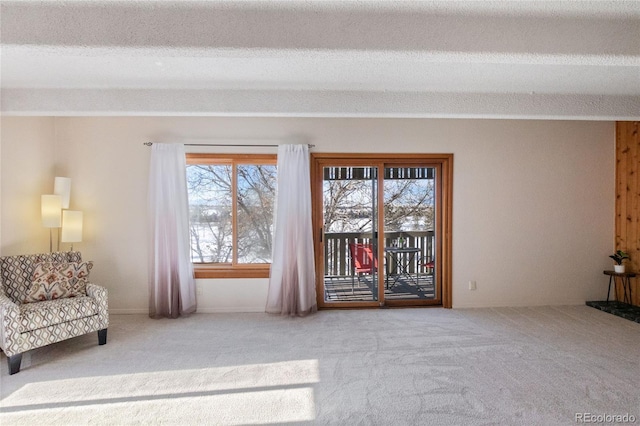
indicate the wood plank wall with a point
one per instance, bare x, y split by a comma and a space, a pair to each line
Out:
628, 198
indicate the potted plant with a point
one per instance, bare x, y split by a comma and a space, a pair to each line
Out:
618, 257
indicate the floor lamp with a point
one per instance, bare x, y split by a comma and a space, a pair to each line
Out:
51, 209
71, 227
62, 187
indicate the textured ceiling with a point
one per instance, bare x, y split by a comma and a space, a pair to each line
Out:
322, 58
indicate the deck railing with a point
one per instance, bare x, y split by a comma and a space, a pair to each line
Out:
337, 261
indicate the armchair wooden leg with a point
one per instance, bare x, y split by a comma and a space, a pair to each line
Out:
14, 363
102, 336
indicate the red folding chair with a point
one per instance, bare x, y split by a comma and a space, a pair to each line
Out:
429, 266
363, 261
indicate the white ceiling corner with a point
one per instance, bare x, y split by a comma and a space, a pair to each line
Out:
522, 59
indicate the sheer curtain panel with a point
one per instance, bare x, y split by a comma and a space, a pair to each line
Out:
292, 288
172, 287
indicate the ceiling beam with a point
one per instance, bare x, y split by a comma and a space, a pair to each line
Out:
301, 103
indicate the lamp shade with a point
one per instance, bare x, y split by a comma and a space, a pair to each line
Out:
51, 207
71, 226
62, 187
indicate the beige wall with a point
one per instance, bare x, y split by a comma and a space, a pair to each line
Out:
27, 169
533, 214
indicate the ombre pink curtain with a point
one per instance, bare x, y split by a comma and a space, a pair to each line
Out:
172, 287
292, 288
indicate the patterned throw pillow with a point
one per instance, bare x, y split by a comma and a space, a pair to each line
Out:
51, 281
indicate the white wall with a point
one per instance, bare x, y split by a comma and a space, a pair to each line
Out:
533, 217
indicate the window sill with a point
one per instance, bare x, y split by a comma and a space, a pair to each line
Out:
231, 272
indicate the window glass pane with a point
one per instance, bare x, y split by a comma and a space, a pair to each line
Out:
409, 221
256, 197
210, 208
348, 196
350, 249
409, 199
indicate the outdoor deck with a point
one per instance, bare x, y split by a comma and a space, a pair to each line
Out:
338, 268
338, 289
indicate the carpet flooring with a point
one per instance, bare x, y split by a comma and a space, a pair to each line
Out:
501, 366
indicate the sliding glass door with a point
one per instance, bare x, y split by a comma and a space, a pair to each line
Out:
349, 233
409, 211
378, 228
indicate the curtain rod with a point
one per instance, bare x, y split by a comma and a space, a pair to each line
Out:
228, 144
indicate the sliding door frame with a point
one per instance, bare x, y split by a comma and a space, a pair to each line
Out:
444, 198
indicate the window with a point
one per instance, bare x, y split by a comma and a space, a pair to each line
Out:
231, 202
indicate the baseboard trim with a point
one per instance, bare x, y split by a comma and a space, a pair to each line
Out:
200, 311
230, 310
517, 305
128, 311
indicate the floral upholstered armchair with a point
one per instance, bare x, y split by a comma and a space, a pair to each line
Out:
47, 298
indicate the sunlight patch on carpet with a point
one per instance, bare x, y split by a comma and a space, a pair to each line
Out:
256, 394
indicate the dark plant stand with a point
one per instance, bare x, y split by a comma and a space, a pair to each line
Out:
624, 308
624, 279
